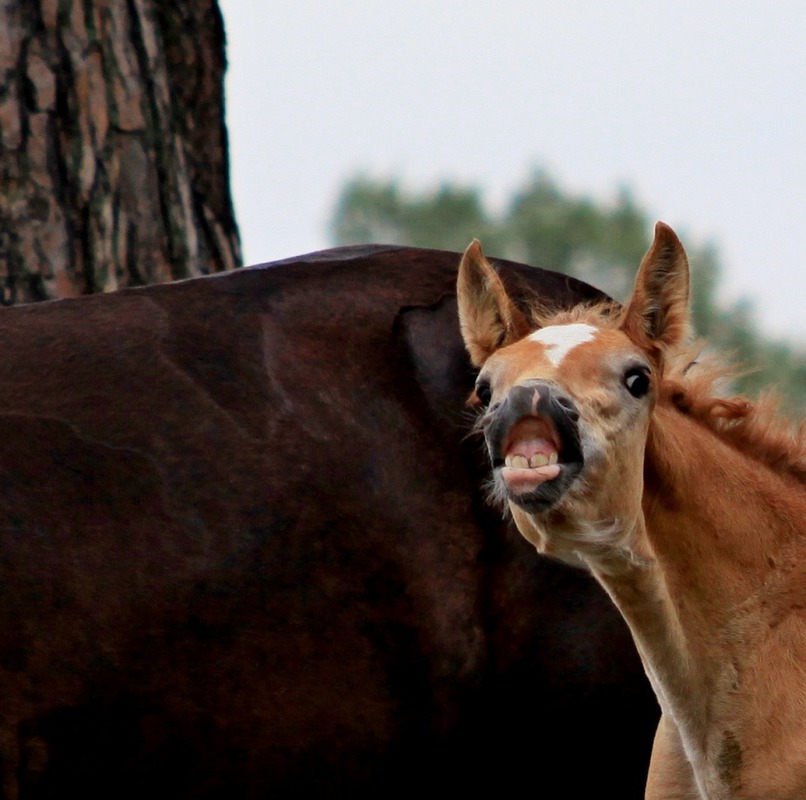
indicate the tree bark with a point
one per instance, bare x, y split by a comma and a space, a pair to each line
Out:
113, 148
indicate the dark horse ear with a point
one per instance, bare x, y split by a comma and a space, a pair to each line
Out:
488, 318
657, 315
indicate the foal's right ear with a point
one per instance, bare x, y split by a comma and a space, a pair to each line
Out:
487, 316
658, 311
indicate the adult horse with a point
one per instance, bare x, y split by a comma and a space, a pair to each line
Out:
614, 453
239, 556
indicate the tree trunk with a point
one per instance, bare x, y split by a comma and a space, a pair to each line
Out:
113, 149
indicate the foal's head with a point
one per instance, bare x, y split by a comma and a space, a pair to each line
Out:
567, 399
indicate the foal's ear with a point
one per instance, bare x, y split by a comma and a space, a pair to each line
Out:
487, 316
658, 312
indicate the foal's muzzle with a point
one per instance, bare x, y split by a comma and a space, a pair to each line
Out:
536, 405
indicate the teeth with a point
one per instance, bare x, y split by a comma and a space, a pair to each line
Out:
537, 460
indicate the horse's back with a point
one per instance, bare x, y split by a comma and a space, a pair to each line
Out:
244, 552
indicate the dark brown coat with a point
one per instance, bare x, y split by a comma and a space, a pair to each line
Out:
244, 552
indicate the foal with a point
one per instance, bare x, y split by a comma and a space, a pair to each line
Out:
613, 452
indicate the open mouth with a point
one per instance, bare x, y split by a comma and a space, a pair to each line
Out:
531, 456
534, 445
538, 460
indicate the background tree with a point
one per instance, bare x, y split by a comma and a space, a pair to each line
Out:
113, 149
598, 242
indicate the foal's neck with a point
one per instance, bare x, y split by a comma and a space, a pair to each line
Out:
720, 523
722, 535
718, 586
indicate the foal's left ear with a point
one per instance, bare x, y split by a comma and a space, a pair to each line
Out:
658, 312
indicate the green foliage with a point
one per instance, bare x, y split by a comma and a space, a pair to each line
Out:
599, 242
447, 218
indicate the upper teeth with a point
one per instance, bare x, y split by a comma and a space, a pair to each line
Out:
537, 460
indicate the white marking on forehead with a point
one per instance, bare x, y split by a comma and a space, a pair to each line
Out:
560, 340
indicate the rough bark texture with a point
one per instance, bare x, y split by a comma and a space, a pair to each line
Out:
113, 149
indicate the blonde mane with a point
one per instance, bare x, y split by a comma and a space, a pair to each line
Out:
696, 382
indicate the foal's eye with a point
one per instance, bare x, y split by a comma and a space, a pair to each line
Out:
637, 381
484, 392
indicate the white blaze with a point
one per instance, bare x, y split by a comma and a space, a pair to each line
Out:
559, 340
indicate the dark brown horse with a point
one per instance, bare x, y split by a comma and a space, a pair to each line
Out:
239, 558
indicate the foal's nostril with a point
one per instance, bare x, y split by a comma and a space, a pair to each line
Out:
568, 406
489, 417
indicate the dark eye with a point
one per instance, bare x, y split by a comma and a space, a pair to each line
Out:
484, 392
637, 381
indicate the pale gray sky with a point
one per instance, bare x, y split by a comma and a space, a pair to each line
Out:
699, 106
